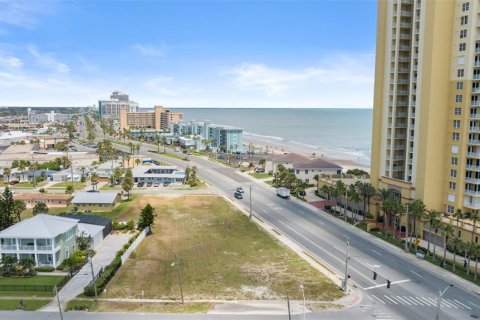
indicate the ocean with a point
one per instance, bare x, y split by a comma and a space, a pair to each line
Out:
337, 133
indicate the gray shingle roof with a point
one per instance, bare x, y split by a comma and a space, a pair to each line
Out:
104, 197
316, 164
39, 226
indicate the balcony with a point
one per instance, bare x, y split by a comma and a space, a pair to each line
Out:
44, 248
472, 167
400, 125
472, 180
473, 141
403, 59
399, 158
10, 247
26, 247
404, 48
400, 136
474, 116
471, 204
406, 13
475, 103
475, 90
405, 25
472, 193
476, 64
399, 146
474, 155
476, 76
475, 129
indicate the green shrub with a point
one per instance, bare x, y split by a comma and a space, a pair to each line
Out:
374, 229
45, 269
130, 225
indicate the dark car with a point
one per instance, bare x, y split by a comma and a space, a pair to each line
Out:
149, 184
166, 184
240, 189
91, 190
140, 184
238, 195
13, 182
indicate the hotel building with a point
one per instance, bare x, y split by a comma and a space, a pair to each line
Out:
158, 119
426, 119
118, 101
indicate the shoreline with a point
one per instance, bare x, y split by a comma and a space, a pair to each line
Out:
347, 160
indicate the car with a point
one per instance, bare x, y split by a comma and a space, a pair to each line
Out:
156, 184
259, 170
238, 195
240, 189
140, 184
166, 184
91, 190
185, 151
13, 182
149, 184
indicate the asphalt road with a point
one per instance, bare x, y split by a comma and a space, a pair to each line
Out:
413, 291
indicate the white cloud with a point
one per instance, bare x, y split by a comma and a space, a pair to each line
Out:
10, 61
150, 50
25, 13
48, 60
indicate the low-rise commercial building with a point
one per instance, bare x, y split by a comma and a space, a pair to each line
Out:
52, 200
158, 174
52, 116
96, 201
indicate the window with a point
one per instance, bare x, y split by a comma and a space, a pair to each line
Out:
460, 72
306, 171
452, 185
459, 233
450, 209
459, 85
458, 98
456, 136
464, 20
453, 173
454, 161
463, 33
465, 6
456, 124
458, 111
462, 47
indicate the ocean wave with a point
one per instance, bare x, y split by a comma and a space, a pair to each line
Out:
263, 136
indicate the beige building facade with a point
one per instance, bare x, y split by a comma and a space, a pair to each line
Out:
426, 120
158, 119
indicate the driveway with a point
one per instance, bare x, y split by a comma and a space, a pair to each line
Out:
106, 252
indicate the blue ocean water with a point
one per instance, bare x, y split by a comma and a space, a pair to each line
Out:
345, 132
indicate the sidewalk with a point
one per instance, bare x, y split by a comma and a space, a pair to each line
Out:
421, 263
106, 252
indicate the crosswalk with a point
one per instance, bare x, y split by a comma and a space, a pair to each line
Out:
420, 301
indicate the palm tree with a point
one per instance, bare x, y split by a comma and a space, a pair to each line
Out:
474, 217
397, 210
317, 179
366, 191
7, 172
354, 196
432, 216
447, 232
457, 242
94, 180
341, 190
383, 195
21, 167
137, 161
417, 211
127, 157
33, 167
326, 191
474, 252
262, 163
436, 224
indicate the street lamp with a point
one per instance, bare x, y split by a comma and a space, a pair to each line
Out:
439, 300
90, 260
303, 293
345, 280
178, 275
250, 216
406, 230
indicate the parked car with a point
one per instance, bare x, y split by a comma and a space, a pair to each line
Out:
259, 170
283, 193
140, 184
238, 195
149, 184
13, 182
240, 189
156, 184
91, 190
166, 184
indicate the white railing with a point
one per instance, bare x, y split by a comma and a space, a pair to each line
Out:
9, 247
134, 244
44, 248
26, 248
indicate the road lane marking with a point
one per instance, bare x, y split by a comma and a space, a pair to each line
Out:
462, 304
409, 300
428, 302
418, 275
374, 296
400, 299
449, 303
418, 300
376, 252
391, 299
433, 301
384, 284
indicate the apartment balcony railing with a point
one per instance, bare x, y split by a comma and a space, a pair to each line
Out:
472, 141
472, 167
474, 116
44, 248
477, 50
397, 169
471, 204
400, 92
475, 90
475, 129
401, 47
476, 76
473, 154
476, 64
399, 158
405, 25
472, 193
402, 103
399, 146
9, 247
475, 103
403, 59
413, 103
400, 136
472, 180
403, 81
406, 13
26, 247
400, 125
410, 161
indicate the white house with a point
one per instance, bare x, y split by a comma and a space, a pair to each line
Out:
158, 174
66, 175
306, 170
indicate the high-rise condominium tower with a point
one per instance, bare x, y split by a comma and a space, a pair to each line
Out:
426, 120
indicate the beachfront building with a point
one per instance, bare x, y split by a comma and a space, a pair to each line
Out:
52, 116
191, 128
158, 119
118, 101
426, 119
158, 174
306, 170
227, 139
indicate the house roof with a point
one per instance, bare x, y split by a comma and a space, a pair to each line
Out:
20, 148
316, 164
140, 172
66, 172
289, 158
39, 226
89, 219
104, 197
41, 196
90, 229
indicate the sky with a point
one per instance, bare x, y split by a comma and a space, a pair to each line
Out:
224, 53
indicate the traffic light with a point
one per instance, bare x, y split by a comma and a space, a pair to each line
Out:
388, 284
465, 263
374, 275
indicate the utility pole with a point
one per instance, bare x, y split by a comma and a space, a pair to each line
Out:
250, 216
346, 204
303, 293
288, 306
406, 230
345, 281
93, 278
439, 300
58, 301
178, 275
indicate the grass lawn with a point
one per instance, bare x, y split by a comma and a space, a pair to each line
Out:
200, 185
64, 184
36, 280
30, 305
198, 307
55, 211
269, 182
26, 185
259, 175
222, 255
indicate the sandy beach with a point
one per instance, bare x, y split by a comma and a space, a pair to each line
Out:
347, 159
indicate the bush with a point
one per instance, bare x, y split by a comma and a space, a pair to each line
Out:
45, 269
42, 190
380, 219
104, 278
117, 226
374, 229
130, 225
